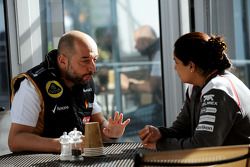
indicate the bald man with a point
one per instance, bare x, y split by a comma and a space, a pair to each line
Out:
147, 43
57, 96
146, 40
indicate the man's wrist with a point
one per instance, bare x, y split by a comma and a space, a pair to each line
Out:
103, 124
132, 86
114, 138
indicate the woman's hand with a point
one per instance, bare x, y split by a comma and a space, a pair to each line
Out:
149, 135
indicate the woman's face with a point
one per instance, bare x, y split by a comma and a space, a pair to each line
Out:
184, 71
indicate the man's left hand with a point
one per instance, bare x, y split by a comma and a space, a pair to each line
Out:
116, 126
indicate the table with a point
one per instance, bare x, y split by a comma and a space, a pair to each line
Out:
116, 154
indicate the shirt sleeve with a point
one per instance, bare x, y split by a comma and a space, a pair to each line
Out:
96, 107
216, 117
25, 106
180, 129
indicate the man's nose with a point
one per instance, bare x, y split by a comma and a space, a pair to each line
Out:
92, 66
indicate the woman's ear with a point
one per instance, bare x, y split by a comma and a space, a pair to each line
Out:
191, 66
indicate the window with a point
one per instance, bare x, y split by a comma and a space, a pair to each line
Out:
230, 18
4, 73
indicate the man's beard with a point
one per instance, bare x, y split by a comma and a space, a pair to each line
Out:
75, 79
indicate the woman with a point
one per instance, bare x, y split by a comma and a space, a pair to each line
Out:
216, 110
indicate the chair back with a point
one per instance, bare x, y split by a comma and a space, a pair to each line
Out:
221, 156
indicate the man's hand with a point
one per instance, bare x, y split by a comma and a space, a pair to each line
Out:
116, 126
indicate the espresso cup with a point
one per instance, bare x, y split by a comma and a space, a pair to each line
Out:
93, 136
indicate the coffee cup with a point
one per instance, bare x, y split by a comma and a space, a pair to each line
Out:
93, 136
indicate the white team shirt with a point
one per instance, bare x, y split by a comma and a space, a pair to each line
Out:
25, 106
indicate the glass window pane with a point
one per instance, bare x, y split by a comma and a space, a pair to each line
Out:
129, 77
4, 73
231, 18
241, 34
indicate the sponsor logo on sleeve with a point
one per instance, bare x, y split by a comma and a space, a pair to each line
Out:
87, 90
205, 127
54, 89
210, 110
209, 100
207, 118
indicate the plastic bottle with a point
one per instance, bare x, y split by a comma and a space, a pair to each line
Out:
66, 153
76, 144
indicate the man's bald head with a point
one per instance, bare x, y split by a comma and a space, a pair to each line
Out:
146, 32
68, 42
144, 37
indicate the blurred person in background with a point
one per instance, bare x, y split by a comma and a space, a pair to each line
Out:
147, 43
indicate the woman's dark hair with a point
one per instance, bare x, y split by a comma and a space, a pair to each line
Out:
208, 53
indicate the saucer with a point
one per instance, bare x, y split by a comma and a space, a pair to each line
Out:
90, 152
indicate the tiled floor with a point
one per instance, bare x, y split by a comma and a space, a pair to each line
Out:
4, 130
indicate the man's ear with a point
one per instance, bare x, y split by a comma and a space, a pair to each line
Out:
62, 61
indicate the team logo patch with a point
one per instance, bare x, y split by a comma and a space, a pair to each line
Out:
208, 98
207, 118
54, 89
211, 110
205, 127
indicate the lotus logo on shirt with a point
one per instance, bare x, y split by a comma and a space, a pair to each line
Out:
54, 89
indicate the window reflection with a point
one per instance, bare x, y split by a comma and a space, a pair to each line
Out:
242, 40
233, 23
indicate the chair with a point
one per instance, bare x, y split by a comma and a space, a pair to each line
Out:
221, 156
